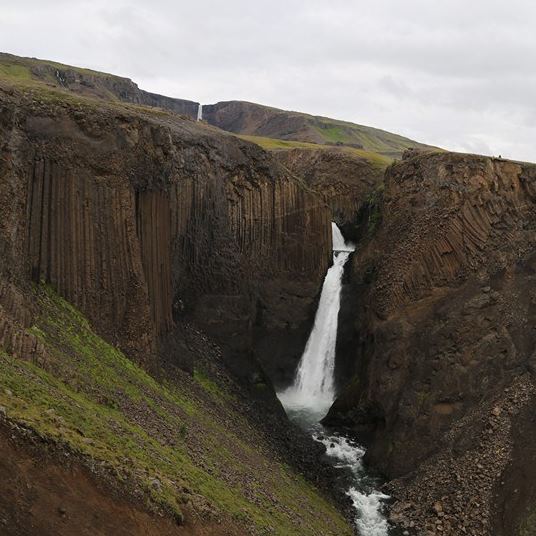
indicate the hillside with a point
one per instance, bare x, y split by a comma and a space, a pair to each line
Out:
257, 120
183, 449
88, 83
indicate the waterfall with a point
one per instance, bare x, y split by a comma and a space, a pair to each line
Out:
313, 391
338, 240
200, 112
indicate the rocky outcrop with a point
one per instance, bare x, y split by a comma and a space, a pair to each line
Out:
139, 219
95, 84
445, 322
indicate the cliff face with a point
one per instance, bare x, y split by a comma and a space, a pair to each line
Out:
92, 83
445, 321
140, 219
346, 180
153, 226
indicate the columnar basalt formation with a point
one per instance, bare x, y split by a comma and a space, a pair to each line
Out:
139, 218
343, 177
445, 319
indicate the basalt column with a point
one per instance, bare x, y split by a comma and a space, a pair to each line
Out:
82, 241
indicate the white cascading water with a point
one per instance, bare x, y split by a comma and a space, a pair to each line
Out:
200, 112
313, 391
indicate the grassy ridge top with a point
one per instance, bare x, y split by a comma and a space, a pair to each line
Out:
183, 444
254, 119
273, 144
27, 68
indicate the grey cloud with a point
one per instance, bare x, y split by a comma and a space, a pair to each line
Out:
453, 73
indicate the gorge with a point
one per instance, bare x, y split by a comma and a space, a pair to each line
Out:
312, 393
171, 273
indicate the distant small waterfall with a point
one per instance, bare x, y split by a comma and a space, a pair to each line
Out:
314, 385
200, 112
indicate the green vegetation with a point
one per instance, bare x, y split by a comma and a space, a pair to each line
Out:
19, 72
272, 144
373, 207
306, 128
528, 526
9, 64
370, 139
181, 443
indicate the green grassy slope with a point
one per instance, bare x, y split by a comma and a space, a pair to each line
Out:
371, 139
253, 119
272, 144
184, 445
19, 68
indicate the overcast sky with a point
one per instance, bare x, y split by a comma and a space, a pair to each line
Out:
460, 74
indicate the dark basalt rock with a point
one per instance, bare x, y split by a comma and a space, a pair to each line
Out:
140, 219
445, 326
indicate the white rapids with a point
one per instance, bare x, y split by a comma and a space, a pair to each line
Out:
312, 393
346, 454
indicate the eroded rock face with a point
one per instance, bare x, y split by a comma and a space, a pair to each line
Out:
345, 180
446, 327
139, 219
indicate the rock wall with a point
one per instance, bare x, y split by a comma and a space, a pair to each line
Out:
445, 317
346, 180
141, 220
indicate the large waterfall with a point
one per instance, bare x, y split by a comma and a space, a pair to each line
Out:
311, 394
200, 112
314, 387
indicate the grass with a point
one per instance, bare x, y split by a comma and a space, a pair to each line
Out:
18, 72
528, 526
373, 207
324, 130
26, 64
272, 144
45, 90
185, 436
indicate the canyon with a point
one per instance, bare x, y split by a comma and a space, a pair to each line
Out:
184, 260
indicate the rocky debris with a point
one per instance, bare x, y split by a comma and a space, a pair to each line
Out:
454, 494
